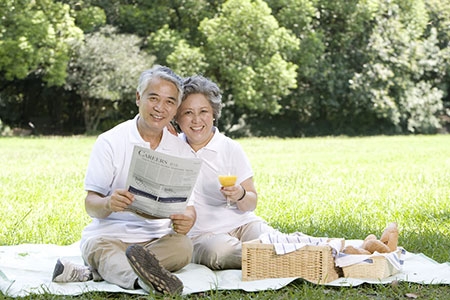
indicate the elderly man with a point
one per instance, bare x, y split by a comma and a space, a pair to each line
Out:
119, 246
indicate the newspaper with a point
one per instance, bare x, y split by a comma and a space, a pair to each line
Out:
161, 183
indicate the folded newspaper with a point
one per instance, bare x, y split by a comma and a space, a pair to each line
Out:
161, 183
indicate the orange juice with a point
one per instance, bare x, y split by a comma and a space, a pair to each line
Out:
227, 180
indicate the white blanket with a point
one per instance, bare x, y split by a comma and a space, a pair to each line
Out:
26, 269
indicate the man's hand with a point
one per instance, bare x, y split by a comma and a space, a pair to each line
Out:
100, 206
182, 223
119, 200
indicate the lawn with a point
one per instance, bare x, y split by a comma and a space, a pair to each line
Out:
335, 187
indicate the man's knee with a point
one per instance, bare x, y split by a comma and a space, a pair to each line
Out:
186, 248
174, 251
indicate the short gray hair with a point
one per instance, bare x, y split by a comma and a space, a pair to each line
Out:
161, 72
198, 84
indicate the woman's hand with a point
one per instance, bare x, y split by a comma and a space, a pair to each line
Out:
233, 193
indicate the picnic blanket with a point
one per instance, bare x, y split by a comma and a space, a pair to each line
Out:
27, 269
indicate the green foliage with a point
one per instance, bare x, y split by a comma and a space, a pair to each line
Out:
296, 15
104, 71
422, 103
90, 18
146, 17
162, 43
439, 20
361, 62
186, 60
246, 53
134, 18
36, 37
393, 83
304, 66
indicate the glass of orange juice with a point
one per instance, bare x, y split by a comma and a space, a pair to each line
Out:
225, 181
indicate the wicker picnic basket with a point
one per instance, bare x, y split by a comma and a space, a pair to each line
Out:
377, 267
313, 263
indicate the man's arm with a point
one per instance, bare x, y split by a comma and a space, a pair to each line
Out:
100, 206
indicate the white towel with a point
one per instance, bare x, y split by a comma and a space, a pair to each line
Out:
27, 269
286, 243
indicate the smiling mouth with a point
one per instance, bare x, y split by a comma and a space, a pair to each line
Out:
197, 128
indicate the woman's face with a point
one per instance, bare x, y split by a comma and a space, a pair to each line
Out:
195, 118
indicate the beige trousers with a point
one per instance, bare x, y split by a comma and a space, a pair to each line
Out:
107, 257
224, 251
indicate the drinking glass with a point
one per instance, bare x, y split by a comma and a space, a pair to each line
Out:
225, 181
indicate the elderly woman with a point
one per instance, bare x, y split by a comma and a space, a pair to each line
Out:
219, 229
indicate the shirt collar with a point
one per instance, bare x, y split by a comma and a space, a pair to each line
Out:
136, 138
214, 144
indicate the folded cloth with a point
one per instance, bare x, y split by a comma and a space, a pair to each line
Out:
286, 243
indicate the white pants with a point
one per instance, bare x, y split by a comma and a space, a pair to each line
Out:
224, 251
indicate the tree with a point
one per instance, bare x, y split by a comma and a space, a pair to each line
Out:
364, 66
105, 71
88, 16
439, 12
395, 83
142, 17
248, 55
36, 37
187, 60
304, 66
304, 105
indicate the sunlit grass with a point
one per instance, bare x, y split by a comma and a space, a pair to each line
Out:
336, 187
350, 187
42, 189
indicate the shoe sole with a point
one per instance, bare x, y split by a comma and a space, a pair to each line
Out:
150, 271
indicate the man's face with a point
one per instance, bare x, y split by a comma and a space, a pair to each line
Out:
158, 104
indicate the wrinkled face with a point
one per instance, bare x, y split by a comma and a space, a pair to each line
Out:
157, 105
195, 118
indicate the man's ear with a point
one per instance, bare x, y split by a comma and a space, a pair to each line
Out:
138, 99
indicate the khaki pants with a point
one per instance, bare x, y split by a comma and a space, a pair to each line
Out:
224, 251
107, 257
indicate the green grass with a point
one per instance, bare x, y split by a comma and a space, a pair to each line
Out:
336, 187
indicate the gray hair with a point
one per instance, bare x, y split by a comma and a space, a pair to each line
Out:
198, 84
161, 72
